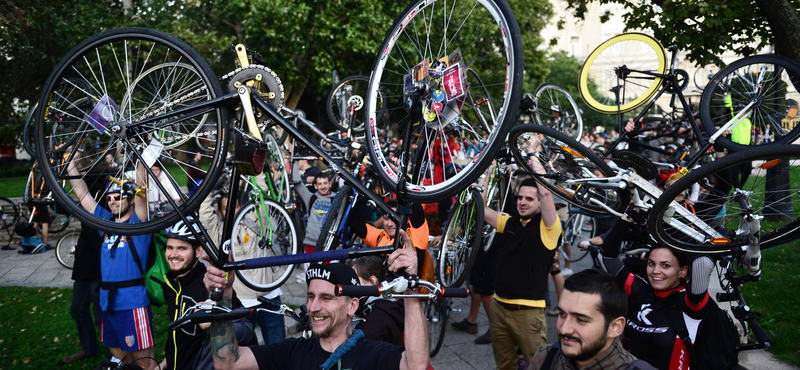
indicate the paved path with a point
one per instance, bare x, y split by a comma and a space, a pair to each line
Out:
458, 352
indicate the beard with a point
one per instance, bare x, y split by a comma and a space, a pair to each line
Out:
325, 333
586, 351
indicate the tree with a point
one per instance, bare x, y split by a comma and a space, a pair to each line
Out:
533, 16
706, 29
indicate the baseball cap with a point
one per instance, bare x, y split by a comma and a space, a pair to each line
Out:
334, 273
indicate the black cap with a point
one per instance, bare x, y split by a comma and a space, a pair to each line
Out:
334, 273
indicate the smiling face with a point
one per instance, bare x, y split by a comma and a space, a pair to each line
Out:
322, 185
582, 329
119, 205
527, 202
389, 226
663, 269
330, 315
181, 255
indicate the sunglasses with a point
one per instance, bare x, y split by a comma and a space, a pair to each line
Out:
116, 197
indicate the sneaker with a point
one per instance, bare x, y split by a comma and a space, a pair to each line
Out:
486, 338
39, 248
552, 312
466, 326
566, 271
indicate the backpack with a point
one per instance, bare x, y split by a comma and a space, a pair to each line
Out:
155, 269
555, 349
716, 340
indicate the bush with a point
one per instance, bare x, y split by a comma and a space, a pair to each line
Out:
11, 167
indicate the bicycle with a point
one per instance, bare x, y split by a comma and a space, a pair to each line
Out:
461, 239
554, 107
65, 248
130, 129
754, 89
9, 216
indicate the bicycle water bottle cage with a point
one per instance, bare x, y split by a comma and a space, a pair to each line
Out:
628, 159
248, 156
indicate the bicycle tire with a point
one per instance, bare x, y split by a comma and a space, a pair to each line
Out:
704, 74
461, 240
351, 87
566, 161
573, 234
133, 46
65, 248
769, 94
718, 210
500, 68
555, 108
9, 213
27, 143
641, 52
436, 315
328, 236
278, 225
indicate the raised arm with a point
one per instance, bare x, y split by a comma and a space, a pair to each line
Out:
140, 203
417, 353
78, 185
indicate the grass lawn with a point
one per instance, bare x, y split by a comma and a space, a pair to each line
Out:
13, 186
36, 329
775, 296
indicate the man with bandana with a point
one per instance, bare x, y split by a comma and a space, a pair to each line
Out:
335, 344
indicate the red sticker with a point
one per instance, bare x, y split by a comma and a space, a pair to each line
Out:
453, 84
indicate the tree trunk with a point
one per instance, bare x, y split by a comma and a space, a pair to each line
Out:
295, 92
785, 24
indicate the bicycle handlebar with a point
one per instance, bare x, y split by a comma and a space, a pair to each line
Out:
340, 254
214, 313
396, 287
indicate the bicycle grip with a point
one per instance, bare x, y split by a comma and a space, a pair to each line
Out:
357, 291
758, 331
455, 292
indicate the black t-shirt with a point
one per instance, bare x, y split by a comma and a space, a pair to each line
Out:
298, 353
87, 255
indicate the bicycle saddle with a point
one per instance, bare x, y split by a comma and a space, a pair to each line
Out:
628, 159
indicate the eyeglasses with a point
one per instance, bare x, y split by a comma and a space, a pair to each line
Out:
115, 197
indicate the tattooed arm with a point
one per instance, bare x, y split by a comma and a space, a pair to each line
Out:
226, 351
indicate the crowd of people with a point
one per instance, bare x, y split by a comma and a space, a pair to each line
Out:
606, 319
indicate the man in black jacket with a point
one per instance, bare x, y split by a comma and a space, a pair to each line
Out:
188, 347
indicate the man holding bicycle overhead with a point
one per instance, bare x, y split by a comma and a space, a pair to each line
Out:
126, 315
335, 344
527, 248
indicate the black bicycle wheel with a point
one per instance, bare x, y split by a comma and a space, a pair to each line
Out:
555, 108
65, 249
9, 213
263, 230
461, 240
115, 72
764, 86
577, 228
349, 92
329, 237
27, 132
568, 166
433, 44
709, 221
436, 313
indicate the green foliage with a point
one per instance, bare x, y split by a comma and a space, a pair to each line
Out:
564, 71
36, 330
533, 16
703, 29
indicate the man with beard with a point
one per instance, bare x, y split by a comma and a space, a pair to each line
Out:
592, 312
188, 347
335, 344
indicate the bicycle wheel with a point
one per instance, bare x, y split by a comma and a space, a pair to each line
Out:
461, 241
432, 45
27, 134
329, 236
704, 74
568, 166
710, 225
350, 90
764, 86
623, 62
9, 213
555, 108
101, 70
57, 222
436, 313
578, 227
65, 249
263, 229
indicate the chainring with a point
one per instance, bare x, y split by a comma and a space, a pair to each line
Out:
264, 81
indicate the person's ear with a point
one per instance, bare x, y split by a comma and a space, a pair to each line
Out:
353, 307
374, 280
616, 327
684, 271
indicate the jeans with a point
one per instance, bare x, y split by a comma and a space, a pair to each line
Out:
272, 327
86, 293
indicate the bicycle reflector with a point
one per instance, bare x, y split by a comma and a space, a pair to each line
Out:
720, 241
248, 157
769, 164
